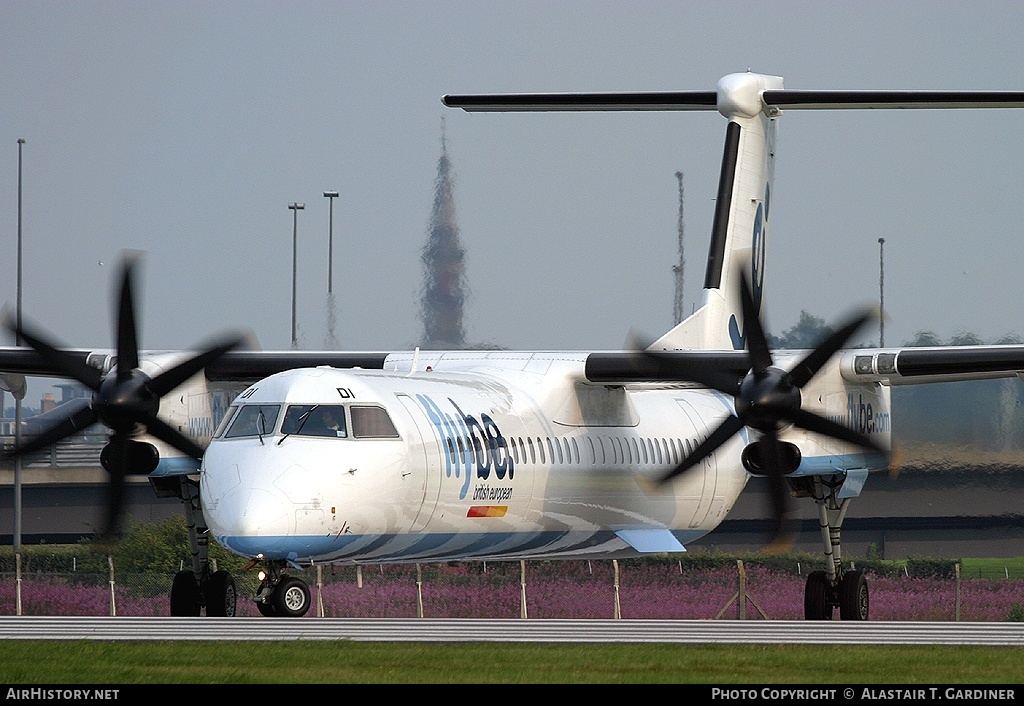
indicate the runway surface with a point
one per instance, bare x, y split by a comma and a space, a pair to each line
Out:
512, 630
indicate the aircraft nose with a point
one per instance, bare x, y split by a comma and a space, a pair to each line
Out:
250, 513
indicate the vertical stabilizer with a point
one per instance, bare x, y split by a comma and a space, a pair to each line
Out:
742, 210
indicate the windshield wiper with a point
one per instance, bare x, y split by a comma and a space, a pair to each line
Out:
302, 420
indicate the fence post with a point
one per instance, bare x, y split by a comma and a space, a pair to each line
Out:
522, 589
17, 583
618, 608
419, 591
113, 603
743, 589
320, 590
956, 572
359, 575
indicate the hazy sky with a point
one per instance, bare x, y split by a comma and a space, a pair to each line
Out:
184, 130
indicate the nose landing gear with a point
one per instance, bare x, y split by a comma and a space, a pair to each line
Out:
281, 595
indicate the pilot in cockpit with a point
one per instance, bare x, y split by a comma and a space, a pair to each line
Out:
330, 422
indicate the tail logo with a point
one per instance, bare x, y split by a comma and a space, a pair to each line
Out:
757, 258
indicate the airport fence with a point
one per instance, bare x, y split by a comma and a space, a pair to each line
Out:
628, 589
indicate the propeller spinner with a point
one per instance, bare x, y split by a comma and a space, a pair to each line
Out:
768, 400
126, 400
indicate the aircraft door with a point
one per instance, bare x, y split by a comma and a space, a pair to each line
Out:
708, 468
429, 455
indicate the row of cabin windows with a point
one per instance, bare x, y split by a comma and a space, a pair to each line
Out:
614, 450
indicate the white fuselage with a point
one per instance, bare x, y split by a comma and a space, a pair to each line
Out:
514, 455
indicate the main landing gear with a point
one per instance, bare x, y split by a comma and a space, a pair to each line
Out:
199, 587
835, 587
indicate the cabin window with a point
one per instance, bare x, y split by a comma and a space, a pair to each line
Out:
533, 452
372, 423
540, 448
551, 450
326, 420
575, 450
254, 420
593, 453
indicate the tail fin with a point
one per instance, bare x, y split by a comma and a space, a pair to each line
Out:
742, 212
752, 103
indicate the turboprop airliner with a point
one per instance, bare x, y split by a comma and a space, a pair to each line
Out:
417, 456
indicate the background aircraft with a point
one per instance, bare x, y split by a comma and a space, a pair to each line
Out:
519, 454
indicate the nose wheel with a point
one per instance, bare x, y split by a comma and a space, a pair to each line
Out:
280, 595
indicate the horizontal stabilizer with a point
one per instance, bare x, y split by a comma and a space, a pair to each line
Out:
854, 100
532, 102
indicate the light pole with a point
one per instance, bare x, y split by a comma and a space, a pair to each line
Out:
331, 195
295, 208
17, 415
881, 292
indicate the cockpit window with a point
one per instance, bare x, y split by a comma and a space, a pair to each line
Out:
228, 416
254, 420
372, 423
314, 420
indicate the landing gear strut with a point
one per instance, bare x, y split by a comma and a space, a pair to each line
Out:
835, 587
199, 587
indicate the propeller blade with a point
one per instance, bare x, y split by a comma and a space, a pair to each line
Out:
813, 362
77, 419
729, 426
813, 422
72, 367
757, 341
779, 494
170, 379
118, 450
165, 432
127, 331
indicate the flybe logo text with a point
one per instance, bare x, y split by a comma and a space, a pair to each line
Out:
862, 417
472, 447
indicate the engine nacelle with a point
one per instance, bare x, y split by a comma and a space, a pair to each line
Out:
755, 455
142, 458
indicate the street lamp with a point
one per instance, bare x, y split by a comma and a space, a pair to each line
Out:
330, 242
17, 415
881, 292
295, 208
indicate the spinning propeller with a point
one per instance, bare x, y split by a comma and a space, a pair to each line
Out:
768, 400
126, 400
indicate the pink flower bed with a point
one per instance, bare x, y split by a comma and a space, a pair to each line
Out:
569, 589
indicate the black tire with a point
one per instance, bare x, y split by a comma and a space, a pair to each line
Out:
221, 595
291, 597
267, 609
184, 595
853, 596
816, 599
